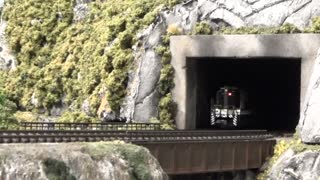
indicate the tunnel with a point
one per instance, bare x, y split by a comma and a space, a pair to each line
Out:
272, 86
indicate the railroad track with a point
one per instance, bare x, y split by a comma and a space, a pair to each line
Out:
45, 136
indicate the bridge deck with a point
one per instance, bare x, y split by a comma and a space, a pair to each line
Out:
210, 156
179, 152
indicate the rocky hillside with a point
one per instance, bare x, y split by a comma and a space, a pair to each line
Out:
72, 58
78, 161
85, 60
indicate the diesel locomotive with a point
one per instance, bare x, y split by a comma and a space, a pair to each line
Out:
228, 107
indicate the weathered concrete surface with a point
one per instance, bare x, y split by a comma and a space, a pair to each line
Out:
304, 46
83, 161
301, 166
234, 13
309, 124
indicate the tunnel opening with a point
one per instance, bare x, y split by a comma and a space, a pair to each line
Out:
272, 86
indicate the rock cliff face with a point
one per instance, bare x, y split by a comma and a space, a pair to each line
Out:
141, 103
297, 166
82, 161
309, 120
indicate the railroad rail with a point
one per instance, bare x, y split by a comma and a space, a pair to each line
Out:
42, 136
88, 126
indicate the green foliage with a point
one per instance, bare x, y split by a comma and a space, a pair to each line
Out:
2, 99
202, 28
7, 109
167, 107
65, 62
154, 120
26, 116
166, 79
76, 117
56, 170
286, 28
315, 27
245, 30
164, 53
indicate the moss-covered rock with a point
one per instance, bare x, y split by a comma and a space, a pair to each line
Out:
56, 170
137, 157
81, 161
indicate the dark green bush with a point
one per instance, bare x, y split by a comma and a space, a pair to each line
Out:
7, 109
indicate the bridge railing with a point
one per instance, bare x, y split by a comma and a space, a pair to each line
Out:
110, 126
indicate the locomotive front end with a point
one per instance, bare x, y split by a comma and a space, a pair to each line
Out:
226, 107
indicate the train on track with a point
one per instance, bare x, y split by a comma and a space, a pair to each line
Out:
229, 107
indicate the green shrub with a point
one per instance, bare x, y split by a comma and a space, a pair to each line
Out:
315, 26
76, 117
202, 28
26, 116
166, 79
286, 28
7, 109
167, 107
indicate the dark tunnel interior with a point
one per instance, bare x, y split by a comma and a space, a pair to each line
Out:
272, 85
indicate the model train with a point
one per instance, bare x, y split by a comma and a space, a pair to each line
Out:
228, 106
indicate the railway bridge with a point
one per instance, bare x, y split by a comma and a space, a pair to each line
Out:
178, 151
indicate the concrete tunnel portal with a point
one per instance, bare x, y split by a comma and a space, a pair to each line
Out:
272, 85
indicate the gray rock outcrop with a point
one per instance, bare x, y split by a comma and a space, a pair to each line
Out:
143, 97
309, 119
141, 102
301, 166
7, 59
80, 10
81, 161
